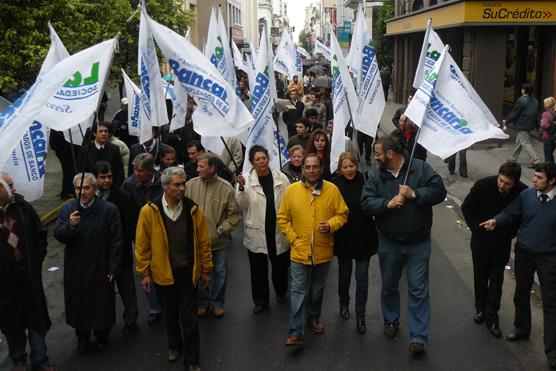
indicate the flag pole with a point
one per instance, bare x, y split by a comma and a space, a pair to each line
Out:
230, 153
72, 152
412, 155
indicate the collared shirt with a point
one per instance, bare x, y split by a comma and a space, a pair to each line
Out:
86, 206
550, 194
99, 146
395, 173
172, 214
103, 194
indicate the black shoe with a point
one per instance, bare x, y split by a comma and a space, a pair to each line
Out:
416, 348
390, 330
260, 308
82, 346
344, 312
514, 336
494, 330
361, 326
479, 317
153, 318
130, 327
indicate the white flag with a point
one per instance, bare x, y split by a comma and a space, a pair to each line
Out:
303, 52
153, 101
219, 111
76, 133
213, 144
262, 131
343, 93
430, 52
252, 59
180, 108
285, 58
368, 110
218, 48
80, 95
238, 58
320, 48
21, 115
133, 94
445, 108
359, 39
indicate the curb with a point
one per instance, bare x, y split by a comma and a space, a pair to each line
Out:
49, 216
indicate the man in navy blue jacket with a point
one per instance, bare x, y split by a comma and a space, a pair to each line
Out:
403, 217
535, 213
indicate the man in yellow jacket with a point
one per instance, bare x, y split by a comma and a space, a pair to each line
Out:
311, 211
172, 251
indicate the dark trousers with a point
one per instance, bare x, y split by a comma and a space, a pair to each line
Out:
259, 275
549, 146
17, 343
363, 140
85, 334
462, 163
126, 287
179, 305
489, 263
526, 264
345, 267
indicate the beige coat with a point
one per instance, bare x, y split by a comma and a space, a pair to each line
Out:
253, 203
216, 198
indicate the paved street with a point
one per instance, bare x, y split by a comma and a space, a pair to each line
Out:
242, 341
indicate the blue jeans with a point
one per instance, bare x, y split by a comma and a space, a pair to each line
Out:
393, 258
154, 303
17, 342
214, 296
307, 287
345, 267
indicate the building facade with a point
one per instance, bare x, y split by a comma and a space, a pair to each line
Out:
498, 44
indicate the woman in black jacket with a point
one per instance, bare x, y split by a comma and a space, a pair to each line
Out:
357, 239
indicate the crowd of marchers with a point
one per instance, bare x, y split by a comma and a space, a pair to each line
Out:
167, 221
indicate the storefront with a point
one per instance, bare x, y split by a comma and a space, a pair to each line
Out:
498, 44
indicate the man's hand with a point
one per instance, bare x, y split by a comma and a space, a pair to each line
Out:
146, 283
395, 202
489, 225
206, 280
407, 192
241, 182
74, 219
323, 227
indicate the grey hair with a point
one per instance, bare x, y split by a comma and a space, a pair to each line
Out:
87, 176
144, 161
167, 174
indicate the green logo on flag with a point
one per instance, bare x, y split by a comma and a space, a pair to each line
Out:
78, 80
335, 68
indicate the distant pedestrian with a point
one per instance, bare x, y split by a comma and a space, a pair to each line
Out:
259, 194
400, 111
524, 118
23, 309
356, 240
173, 253
403, 217
302, 128
491, 250
534, 213
152, 146
91, 230
386, 77
548, 129
295, 84
217, 199
63, 149
293, 168
311, 212
120, 125
292, 115
125, 280
462, 163
315, 103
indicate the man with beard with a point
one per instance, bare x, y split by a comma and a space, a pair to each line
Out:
91, 231
403, 215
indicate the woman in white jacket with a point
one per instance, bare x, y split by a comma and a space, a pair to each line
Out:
259, 194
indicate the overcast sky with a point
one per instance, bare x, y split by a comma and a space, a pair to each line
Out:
296, 14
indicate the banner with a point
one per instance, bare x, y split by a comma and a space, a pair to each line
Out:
341, 88
303, 52
320, 48
218, 50
133, 94
23, 113
153, 103
238, 59
445, 108
252, 57
180, 108
219, 111
368, 110
262, 131
430, 52
285, 58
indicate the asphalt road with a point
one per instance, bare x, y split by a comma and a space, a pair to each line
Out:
243, 341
